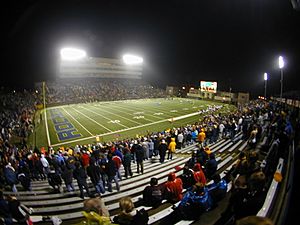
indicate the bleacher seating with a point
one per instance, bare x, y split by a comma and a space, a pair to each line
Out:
68, 207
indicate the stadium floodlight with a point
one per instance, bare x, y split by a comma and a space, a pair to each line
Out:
132, 59
72, 54
280, 62
265, 78
281, 65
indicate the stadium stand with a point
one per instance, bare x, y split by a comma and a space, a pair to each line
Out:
68, 206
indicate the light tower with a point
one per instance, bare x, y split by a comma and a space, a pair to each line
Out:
265, 78
281, 65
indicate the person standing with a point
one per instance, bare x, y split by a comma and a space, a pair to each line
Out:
140, 158
201, 137
127, 162
80, 175
54, 179
171, 148
93, 171
162, 148
45, 164
151, 147
180, 140
111, 172
118, 162
67, 176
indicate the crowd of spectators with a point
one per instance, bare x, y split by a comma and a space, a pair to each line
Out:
66, 91
17, 109
101, 162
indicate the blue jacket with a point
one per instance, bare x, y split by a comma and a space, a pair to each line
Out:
204, 201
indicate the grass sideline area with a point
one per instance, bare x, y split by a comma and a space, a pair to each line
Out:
87, 123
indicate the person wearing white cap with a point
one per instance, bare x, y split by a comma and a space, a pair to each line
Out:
162, 148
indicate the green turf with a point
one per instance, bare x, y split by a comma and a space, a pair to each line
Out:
121, 119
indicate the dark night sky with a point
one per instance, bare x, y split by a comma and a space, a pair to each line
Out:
182, 42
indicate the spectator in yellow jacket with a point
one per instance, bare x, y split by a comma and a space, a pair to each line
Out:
171, 148
201, 137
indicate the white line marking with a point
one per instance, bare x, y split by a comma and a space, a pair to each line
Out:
104, 117
134, 111
46, 124
93, 120
119, 116
77, 121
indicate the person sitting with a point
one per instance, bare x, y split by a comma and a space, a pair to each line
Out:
196, 201
22, 214
217, 189
24, 179
153, 193
5, 213
187, 177
97, 205
199, 174
129, 215
19, 212
173, 188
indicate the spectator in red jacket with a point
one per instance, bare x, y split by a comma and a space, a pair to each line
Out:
173, 188
85, 159
118, 162
199, 174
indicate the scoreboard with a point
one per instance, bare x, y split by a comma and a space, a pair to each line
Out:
208, 86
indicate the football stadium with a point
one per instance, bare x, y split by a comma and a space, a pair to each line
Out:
99, 143
89, 142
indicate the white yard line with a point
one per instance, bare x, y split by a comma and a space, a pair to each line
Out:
105, 117
118, 115
47, 130
77, 121
93, 120
157, 117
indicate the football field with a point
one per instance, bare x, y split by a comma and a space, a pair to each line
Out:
69, 125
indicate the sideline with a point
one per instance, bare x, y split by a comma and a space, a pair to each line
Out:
46, 124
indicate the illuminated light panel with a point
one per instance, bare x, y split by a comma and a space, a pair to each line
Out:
132, 59
72, 54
